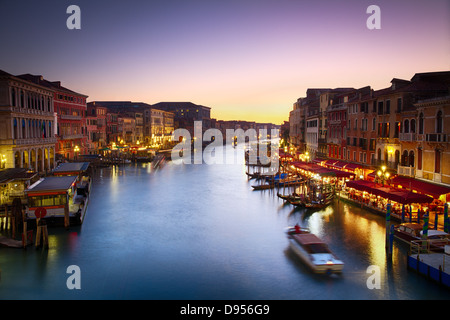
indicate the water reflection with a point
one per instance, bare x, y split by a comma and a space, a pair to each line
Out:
201, 232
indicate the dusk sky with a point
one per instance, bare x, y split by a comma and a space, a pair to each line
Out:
247, 59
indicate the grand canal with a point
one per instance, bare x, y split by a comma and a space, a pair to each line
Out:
201, 232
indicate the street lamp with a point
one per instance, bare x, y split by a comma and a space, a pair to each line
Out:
76, 149
383, 175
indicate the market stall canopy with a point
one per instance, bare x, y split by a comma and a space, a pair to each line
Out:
431, 189
352, 166
322, 171
318, 160
397, 195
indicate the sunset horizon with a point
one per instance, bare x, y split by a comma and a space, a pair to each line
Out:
246, 60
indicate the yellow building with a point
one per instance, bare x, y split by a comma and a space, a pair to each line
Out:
433, 147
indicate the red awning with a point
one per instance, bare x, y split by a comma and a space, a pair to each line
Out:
330, 162
352, 166
318, 160
400, 196
431, 189
339, 164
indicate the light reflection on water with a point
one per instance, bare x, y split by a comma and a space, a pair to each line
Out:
201, 232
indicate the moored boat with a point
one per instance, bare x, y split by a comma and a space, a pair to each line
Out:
315, 253
263, 186
409, 232
320, 204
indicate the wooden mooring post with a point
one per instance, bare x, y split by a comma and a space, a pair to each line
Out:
42, 233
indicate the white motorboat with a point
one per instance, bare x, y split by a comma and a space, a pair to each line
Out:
315, 253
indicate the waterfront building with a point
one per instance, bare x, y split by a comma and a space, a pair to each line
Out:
185, 113
138, 124
70, 108
96, 128
331, 128
373, 128
359, 135
127, 131
297, 126
337, 127
431, 135
14, 182
27, 123
112, 128
396, 123
168, 129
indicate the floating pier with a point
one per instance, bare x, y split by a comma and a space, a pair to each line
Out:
434, 266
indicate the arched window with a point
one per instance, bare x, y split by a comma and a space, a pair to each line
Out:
17, 160
421, 123
397, 157
411, 158
439, 122
413, 126
405, 158
406, 126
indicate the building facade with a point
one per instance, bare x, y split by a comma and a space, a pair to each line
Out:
96, 128
27, 124
432, 133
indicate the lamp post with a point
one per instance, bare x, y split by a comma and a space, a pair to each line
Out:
75, 150
383, 174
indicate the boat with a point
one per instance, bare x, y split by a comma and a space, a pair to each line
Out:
263, 186
292, 197
410, 231
308, 203
315, 253
320, 204
289, 182
296, 230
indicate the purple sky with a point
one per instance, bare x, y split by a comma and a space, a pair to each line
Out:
247, 59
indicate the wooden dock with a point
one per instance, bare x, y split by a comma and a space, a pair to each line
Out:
434, 266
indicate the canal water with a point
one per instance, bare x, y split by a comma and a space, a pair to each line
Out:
201, 232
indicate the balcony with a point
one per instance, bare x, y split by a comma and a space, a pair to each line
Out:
70, 117
72, 136
436, 137
35, 141
405, 171
409, 137
389, 164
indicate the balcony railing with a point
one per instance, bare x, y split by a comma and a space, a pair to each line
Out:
70, 117
389, 164
436, 137
35, 141
408, 136
406, 171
